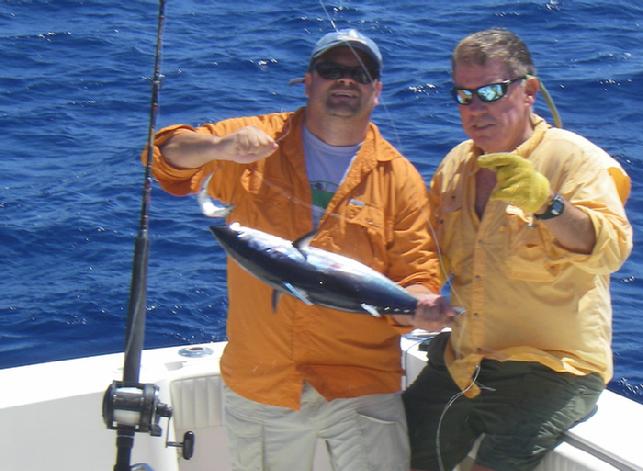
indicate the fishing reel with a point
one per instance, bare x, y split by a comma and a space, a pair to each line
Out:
138, 407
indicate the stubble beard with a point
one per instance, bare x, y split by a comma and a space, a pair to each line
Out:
343, 109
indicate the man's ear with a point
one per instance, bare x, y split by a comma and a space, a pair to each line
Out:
378, 85
532, 85
307, 81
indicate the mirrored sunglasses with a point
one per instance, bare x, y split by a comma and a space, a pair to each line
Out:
487, 93
332, 71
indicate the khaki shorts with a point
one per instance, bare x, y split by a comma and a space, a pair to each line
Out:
366, 433
523, 410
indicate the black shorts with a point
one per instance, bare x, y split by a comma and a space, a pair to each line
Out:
523, 409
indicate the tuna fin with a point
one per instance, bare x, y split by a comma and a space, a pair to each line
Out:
274, 299
371, 310
297, 293
303, 242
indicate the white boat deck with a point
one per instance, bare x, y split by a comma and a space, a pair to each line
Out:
51, 417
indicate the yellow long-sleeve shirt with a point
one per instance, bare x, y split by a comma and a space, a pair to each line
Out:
379, 216
526, 298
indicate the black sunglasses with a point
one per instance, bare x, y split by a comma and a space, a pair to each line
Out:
487, 93
332, 71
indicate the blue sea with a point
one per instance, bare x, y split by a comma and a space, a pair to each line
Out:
75, 92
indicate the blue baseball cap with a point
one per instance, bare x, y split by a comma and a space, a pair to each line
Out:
348, 37
345, 37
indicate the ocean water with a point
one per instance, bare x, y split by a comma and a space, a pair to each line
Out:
74, 115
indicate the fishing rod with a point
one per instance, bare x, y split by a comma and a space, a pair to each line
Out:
129, 406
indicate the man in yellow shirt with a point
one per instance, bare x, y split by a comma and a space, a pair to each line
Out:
530, 223
307, 372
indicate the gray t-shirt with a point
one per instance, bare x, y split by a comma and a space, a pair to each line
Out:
326, 167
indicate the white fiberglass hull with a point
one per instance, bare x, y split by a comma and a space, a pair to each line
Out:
50, 416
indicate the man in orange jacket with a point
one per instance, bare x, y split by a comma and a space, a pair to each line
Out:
308, 372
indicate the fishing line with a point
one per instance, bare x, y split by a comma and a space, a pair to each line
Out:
452, 399
443, 269
330, 20
207, 208
365, 69
446, 275
211, 209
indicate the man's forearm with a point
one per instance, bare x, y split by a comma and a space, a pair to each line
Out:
573, 230
190, 150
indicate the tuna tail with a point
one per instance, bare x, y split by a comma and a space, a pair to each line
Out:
208, 206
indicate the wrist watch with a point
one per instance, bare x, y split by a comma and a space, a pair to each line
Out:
555, 208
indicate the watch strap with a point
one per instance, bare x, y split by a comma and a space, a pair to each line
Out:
555, 208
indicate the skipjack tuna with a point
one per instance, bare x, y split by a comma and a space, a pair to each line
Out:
313, 275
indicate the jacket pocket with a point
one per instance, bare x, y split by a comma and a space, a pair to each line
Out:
365, 234
527, 259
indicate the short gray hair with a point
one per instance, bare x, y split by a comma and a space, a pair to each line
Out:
496, 43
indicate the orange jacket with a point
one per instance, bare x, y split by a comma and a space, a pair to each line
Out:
378, 216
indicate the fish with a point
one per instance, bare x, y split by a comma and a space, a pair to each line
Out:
313, 275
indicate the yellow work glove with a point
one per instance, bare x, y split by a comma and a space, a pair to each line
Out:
517, 181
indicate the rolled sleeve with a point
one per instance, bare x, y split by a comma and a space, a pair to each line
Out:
176, 181
613, 243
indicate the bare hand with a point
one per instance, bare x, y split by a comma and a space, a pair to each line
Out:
247, 145
433, 313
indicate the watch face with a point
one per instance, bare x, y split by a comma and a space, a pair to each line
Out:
557, 205
556, 208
